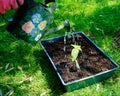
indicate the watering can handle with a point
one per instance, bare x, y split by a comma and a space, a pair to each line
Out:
30, 3
48, 1
51, 9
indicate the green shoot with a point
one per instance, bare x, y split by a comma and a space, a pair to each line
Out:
74, 54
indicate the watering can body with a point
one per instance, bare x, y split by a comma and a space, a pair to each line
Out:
31, 21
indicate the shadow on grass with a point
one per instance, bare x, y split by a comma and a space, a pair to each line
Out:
13, 52
17, 55
11, 89
51, 77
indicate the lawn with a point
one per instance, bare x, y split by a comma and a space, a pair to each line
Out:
26, 71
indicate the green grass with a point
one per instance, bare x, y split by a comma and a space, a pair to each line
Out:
99, 19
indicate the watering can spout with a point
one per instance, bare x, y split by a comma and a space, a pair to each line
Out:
52, 9
65, 25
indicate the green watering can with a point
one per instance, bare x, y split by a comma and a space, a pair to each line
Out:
31, 21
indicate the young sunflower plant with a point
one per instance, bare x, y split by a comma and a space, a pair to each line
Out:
74, 54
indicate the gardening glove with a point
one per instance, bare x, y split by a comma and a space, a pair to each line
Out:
9, 4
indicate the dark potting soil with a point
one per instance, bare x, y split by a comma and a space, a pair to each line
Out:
90, 60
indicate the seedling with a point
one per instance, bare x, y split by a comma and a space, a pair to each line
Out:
74, 54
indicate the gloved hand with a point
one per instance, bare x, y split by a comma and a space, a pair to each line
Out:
8, 4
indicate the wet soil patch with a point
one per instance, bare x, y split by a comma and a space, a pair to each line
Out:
91, 61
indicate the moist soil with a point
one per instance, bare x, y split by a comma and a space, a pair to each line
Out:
90, 60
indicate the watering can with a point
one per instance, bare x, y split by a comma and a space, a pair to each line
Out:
31, 21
